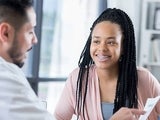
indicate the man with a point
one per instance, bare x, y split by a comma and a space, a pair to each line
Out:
17, 36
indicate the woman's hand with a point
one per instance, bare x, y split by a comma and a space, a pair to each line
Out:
127, 114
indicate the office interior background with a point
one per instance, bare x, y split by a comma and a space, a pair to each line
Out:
62, 30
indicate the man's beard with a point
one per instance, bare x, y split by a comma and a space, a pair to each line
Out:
19, 64
15, 53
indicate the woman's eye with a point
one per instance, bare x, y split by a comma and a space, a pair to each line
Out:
95, 41
111, 43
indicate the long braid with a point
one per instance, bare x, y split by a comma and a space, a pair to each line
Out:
128, 78
84, 63
126, 89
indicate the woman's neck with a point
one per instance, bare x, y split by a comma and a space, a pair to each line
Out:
107, 74
107, 84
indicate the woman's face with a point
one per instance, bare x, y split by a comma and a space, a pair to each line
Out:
106, 44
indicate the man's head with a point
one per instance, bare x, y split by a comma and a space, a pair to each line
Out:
17, 22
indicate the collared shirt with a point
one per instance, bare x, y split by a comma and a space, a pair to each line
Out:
17, 99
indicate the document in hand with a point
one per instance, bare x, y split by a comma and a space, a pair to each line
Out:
150, 104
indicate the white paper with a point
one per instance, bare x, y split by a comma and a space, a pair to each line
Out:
150, 104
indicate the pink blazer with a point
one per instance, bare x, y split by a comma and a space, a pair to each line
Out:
148, 87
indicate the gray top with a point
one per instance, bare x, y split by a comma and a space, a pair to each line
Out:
107, 110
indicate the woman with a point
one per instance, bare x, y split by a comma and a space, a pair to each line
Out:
108, 84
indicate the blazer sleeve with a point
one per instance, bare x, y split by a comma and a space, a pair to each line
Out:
149, 87
155, 90
66, 104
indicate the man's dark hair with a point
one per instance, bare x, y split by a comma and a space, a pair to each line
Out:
14, 12
126, 90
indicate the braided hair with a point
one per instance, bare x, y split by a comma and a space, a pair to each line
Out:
126, 89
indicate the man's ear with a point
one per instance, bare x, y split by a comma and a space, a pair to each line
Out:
5, 30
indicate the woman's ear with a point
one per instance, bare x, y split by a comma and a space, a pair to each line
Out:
5, 30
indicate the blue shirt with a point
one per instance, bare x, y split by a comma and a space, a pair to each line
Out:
107, 110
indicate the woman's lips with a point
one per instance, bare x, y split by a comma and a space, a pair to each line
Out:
103, 57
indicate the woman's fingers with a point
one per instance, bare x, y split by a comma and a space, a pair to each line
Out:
137, 112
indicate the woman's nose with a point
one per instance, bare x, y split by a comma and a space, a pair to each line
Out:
103, 46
